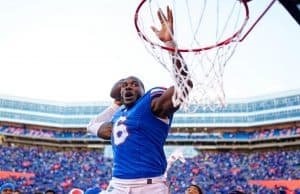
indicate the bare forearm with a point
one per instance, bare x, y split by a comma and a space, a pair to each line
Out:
180, 65
105, 116
105, 130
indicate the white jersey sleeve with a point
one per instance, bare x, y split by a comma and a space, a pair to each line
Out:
104, 116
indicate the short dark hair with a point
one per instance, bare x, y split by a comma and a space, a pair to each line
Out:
237, 192
17, 191
197, 187
138, 80
50, 191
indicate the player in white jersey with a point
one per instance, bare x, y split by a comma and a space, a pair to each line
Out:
140, 127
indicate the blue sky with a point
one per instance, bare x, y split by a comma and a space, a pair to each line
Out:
74, 50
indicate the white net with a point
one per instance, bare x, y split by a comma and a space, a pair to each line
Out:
206, 33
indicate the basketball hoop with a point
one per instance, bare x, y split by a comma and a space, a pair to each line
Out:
207, 33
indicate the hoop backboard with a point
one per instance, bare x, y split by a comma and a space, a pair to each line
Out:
293, 7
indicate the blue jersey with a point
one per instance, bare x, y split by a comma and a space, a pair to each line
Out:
138, 139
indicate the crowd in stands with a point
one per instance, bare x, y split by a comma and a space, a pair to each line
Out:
61, 170
268, 133
46, 133
214, 172
218, 172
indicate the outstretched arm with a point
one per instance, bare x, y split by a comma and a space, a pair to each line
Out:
163, 105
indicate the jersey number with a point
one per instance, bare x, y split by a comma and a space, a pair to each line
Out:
120, 132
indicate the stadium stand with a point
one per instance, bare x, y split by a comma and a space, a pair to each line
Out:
251, 145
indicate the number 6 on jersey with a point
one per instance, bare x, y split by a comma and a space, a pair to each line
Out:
120, 132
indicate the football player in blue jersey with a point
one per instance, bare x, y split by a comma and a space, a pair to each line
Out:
138, 123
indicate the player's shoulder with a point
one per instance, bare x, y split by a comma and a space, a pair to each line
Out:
153, 93
157, 91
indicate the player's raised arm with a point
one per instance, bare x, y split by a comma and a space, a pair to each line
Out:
163, 105
101, 125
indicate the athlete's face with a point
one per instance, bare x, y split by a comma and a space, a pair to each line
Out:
192, 190
131, 90
7, 191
